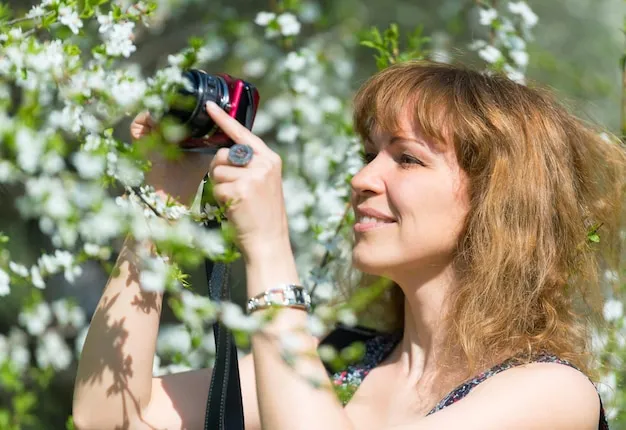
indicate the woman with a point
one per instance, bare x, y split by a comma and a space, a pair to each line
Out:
476, 201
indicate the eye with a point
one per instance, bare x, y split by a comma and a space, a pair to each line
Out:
408, 159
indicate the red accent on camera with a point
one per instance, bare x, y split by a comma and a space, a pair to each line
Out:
244, 102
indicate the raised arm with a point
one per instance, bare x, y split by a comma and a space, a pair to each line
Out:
114, 385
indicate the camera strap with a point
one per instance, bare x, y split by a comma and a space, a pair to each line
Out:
224, 409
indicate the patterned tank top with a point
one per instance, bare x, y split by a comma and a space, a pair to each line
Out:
378, 346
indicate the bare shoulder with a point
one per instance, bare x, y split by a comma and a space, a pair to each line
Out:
178, 400
530, 397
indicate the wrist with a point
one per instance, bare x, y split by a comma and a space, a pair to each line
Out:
268, 251
267, 269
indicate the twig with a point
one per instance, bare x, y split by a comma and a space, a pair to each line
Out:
25, 18
327, 253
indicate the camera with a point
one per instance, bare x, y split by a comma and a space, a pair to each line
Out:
238, 98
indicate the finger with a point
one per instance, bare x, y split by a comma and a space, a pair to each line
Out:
223, 174
233, 129
224, 193
142, 124
220, 158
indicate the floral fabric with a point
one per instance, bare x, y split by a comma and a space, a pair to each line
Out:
378, 347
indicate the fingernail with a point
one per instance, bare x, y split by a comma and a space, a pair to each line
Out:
210, 105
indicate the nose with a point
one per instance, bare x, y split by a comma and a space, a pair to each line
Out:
369, 180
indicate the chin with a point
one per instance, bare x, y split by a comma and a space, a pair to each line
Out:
368, 262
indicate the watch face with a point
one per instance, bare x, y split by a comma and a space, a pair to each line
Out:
289, 295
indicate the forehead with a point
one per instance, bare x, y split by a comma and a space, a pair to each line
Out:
404, 128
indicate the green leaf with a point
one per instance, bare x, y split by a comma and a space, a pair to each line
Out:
23, 403
594, 237
69, 424
369, 44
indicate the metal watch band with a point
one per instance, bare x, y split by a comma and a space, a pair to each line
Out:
288, 295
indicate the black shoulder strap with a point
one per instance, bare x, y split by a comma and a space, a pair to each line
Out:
224, 409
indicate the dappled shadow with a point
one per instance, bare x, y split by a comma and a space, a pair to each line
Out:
108, 358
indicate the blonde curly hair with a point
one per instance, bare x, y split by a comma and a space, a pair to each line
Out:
539, 180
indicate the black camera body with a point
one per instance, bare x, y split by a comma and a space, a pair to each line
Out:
238, 98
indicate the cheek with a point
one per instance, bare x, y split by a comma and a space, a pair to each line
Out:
431, 211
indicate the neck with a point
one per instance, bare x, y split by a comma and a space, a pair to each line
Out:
420, 353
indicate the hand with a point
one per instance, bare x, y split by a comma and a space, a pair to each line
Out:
253, 194
178, 178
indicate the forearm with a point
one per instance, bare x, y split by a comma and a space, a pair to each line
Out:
287, 399
114, 378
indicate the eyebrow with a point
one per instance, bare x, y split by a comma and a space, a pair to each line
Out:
398, 139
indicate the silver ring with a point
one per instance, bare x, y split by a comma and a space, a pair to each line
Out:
240, 155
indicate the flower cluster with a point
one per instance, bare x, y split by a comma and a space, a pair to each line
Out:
506, 48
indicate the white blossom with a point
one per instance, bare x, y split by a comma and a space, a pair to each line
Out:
519, 57
52, 163
289, 25
292, 342
309, 11
52, 351
288, 133
70, 18
35, 276
172, 339
490, 54
5, 281
35, 12
302, 85
610, 276
30, 147
330, 104
68, 314
255, 68
607, 386
514, 74
279, 107
263, 123
522, 9
18, 269
316, 326
613, 310
324, 291
298, 196
36, 319
477, 44
264, 18
19, 354
347, 317
234, 318
213, 50
154, 277
106, 22
119, 39
88, 165
294, 62
487, 16
211, 242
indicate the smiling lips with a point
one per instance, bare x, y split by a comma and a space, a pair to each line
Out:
368, 219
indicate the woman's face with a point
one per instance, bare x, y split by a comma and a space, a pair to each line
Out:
421, 191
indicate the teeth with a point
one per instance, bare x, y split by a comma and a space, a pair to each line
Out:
367, 219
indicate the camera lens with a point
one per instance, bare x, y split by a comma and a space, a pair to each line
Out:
189, 107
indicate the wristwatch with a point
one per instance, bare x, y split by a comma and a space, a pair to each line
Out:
287, 295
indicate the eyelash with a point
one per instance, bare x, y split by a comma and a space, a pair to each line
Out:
368, 157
